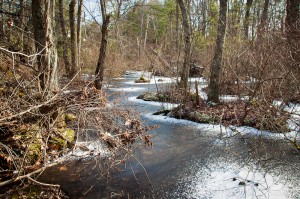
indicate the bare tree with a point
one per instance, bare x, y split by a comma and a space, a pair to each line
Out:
64, 37
204, 17
187, 44
42, 15
22, 24
247, 16
214, 87
119, 4
292, 24
80, 3
102, 54
74, 54
263, 19
2, 20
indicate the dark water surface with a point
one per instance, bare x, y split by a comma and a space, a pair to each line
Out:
187, 160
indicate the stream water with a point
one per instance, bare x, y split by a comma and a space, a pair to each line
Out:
187, 160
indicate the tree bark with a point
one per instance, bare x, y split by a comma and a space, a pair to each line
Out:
1, 21
21, 25
214, 87
99, 73
187, 46
79, 29
64, 37
42, 15
119, 2
292, 25
246, 20
204, 17
263, 19
74, 57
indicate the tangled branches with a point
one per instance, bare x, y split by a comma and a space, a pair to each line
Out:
38, 128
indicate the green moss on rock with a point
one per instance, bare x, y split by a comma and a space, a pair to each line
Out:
200, 117
70, 117
142, 79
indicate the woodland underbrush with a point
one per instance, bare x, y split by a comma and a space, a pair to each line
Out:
40, 128
257, 74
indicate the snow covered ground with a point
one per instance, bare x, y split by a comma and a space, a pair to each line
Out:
134, 75
215, 129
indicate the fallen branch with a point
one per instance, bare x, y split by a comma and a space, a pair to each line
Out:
42, 184
28, 176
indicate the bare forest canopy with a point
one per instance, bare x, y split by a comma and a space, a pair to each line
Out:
47, 48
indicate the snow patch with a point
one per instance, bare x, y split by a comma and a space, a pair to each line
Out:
87, 149
127, 89
164, 105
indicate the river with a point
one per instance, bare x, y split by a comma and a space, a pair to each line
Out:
187, 160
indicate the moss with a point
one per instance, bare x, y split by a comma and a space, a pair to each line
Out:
249, 122
201, 117
149, 96
10, 74
4, 67
58, 143
69, 134
142, 79
161, 97
70, 117
61, 120
34, 152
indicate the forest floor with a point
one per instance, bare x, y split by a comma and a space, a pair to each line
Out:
33, 191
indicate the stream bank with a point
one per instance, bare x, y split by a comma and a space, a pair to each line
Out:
187, 160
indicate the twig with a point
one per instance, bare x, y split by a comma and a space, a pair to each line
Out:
7, 182
42, 184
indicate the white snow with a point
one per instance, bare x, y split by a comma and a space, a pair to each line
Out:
220, 130
128, 89
158, 79
154, 80
164, 105
93, 148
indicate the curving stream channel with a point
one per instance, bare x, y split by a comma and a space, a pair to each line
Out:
187, 160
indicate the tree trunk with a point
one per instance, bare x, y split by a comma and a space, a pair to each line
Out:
204, 17
246, 20
263, 20
292, 25
64, 37
213, 87
102, 54
79, 29
74, 54
9, 30
187, 46
235, 14
42, 15
22, 25
119, 2
146, 33
1, 21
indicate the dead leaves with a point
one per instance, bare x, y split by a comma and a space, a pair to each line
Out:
109, 140
258, 115
127, 135
6, 157
147, 140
